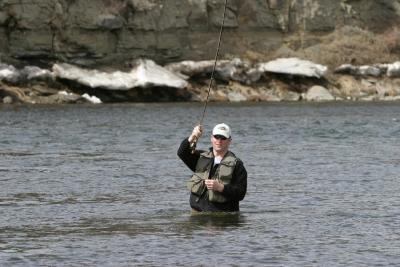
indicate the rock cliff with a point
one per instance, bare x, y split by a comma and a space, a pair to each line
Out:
113, 32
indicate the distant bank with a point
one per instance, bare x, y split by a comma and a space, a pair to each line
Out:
88, 50
236, 80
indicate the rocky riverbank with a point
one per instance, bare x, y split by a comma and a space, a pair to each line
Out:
61, 51
283, 79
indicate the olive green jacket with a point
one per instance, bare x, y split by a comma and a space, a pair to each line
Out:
222, 174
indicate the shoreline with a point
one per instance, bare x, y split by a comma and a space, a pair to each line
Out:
280, 80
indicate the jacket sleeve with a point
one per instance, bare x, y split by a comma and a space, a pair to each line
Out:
236, 190
189, 158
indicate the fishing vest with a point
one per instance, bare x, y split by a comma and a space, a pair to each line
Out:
223, 174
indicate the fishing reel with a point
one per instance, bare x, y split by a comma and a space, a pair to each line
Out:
193, 145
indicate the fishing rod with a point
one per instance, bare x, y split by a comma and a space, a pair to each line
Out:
210, 84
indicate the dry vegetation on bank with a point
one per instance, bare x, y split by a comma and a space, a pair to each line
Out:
347, 45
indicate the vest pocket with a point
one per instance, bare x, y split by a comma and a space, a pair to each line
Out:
196, 185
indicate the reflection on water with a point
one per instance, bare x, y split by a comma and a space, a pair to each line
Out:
102, 186
218, 220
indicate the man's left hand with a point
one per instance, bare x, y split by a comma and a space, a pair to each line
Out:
214, 185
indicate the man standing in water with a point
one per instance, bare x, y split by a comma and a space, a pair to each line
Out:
219, 181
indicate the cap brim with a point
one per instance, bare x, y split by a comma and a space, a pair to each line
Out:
223, 133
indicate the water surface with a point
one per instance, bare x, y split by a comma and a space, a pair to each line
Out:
101, 185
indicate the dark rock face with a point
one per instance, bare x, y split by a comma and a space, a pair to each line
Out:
105, 32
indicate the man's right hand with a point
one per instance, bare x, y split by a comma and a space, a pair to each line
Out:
196, 134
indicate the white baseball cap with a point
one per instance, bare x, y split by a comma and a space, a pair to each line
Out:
222, 129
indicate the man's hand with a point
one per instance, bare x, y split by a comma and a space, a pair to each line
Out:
196, 134
214, 185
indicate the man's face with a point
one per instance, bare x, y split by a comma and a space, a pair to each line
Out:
220, 143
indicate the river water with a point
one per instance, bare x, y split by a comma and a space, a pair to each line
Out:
87, 185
